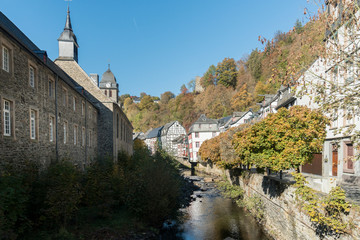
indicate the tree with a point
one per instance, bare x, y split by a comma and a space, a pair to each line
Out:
242, 99
166, 96
254, 64
142, 94
285, 140
210, 150
183, 89
209, 77
298, 27
191, 85
226, 73
146, 102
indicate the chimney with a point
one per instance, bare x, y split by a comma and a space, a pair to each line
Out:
95, 78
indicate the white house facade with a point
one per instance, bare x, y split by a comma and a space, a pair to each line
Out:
203, 129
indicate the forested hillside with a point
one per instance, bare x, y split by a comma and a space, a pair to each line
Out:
232, 85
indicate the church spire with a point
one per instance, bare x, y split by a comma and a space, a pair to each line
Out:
68, 21
68, 46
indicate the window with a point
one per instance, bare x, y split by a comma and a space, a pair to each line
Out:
64, 96
75, 134
74, 103
32, 77
106, 92
6, 59
196, 134
65, 132
51, 88
7, 118
349, 157
334, 120
90, 112
82, 108
89, 138
33, 124
110, 93
197, 144
52, 129
83, 137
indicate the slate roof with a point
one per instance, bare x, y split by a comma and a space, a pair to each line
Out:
11, 29
154, 133
224, 120
108, 77
204, 120
286, 98
166, 128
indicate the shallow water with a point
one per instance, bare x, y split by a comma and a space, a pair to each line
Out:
211, 216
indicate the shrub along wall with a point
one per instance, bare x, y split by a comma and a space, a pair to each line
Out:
39, 203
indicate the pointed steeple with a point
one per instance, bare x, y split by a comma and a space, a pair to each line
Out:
68, 21
68, 46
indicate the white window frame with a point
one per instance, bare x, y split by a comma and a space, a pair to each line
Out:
51, 129
74, 103
32, 77
7, 118
65, 96
83, 136
5, 59
33, 124
82, 108
75, 134
65, 132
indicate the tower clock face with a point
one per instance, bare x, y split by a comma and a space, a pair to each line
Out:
108, 85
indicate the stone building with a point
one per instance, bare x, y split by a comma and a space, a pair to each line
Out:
198, 87
45, 115
51, 111
115, 130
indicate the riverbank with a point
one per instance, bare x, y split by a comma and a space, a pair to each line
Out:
210, 215
282, 217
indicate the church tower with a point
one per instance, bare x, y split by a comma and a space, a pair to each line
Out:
68, 46
109, 86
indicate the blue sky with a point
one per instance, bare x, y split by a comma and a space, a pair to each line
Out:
155, 46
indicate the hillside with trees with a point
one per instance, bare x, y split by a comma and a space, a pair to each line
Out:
232, 85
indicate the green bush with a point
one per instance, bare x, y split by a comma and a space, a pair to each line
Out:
63, 195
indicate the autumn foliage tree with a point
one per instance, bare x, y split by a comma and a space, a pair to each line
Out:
285, 140
210, 150
226, 72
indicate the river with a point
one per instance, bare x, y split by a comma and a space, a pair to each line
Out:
210, 216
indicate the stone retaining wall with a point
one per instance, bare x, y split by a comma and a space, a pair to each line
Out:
283, 219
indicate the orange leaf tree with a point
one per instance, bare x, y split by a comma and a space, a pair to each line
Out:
210, 150
283, 140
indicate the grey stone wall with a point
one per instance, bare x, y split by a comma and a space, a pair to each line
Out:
113, 136
15, 87
283, 218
